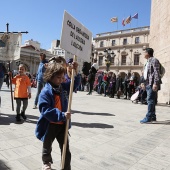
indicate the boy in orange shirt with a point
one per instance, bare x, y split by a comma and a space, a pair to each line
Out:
22, 91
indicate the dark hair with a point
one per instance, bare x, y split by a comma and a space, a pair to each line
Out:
150, 51
59, 60
42, 55
52, 70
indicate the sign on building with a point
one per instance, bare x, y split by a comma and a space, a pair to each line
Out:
76, 38
10, 46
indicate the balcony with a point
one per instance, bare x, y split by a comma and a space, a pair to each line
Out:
119, 65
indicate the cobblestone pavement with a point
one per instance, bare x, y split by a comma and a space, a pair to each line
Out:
105, 135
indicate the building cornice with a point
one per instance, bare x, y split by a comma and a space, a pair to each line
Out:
123, 33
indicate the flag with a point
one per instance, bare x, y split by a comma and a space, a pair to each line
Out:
135, 16
128, 19
114, 19
123, 22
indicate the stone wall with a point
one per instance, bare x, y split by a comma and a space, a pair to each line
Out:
160, 42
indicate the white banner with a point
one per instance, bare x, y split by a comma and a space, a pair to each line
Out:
76, 38
10, 46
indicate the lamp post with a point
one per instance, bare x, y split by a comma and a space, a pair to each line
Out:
108, 55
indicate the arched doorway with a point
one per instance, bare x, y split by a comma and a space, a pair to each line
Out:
137, 77
122, 75
100, 59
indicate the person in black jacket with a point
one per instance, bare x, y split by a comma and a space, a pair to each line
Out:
118, 86
126, 86
91, 79
112, 85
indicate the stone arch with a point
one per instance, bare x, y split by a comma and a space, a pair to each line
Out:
122, 74
137, 75
26, 65
124, 53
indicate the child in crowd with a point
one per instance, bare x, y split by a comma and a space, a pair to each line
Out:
53, 103
22, 91
142, 94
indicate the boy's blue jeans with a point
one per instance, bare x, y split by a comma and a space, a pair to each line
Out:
39, 88
151, 102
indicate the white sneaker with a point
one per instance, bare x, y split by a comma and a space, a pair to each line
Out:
35, 107
46, 166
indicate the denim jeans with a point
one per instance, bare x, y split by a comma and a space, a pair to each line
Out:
1, 82
39, 88
105, 88
151, 102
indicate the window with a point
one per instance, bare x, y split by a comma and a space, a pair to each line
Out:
136, 40
101, 44
125, 41
113, 42
100, 60
136, 59
112, 60
123, 60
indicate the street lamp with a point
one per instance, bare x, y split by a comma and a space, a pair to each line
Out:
108, 55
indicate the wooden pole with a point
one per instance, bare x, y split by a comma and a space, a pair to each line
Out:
10, 82
67, 121
10, 78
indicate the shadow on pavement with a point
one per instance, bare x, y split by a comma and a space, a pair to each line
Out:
8, 90
7, 119
166, 122
3, 166
92, 125
163, 105
90, 113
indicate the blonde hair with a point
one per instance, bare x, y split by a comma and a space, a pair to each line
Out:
52, 70
22, 65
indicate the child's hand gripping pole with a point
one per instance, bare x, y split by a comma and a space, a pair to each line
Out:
67, 121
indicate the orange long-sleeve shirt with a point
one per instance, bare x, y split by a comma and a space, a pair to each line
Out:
21, 86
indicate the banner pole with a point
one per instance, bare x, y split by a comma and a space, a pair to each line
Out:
10, 82
10, 78
67, 121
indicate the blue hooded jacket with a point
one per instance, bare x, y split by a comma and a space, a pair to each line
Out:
46, 107
2, 70
40, 72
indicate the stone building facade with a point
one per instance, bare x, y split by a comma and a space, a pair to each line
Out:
127, 46
29, 56
160, 42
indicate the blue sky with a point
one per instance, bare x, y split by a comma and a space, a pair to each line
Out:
43, 18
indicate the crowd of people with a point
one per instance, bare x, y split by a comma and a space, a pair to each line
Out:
111, 85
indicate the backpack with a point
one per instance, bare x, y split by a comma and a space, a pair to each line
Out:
161, 70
